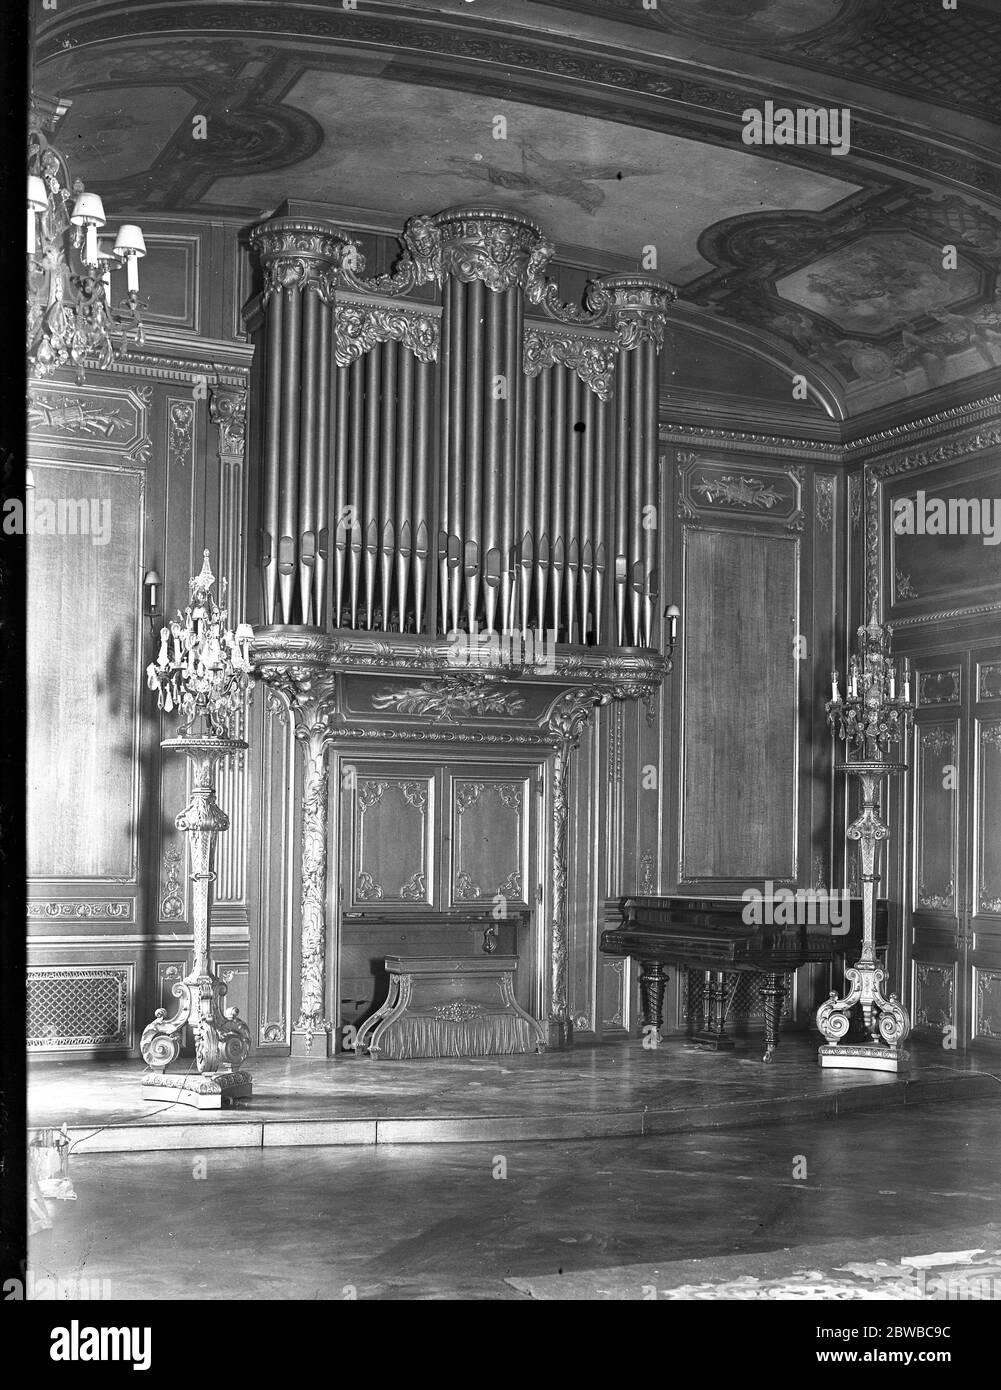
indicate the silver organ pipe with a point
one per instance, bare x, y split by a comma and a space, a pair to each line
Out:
271, 461
308, 459
472, 458
288, 454
403, 497
422, 493
387, 481
323, 457
543, 484
339, 516
525, 525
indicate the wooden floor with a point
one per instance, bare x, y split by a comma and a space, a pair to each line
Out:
619, 1089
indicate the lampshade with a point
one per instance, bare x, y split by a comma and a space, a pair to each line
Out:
129, 241
244, 632
37, 197
88, 210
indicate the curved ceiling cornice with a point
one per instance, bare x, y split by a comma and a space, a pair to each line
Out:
489, 56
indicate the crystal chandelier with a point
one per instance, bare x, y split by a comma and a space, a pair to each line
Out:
70, 315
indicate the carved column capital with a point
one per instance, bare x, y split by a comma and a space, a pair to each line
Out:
489, 244
228, 412
299, 254
638, 308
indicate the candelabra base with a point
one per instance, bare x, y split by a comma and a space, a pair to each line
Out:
203, 1091
862, 1057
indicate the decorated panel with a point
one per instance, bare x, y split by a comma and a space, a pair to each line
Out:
936, 831
746, 492
934, 996
987, 1006
988, 840
941, 555
392, 859
489, 819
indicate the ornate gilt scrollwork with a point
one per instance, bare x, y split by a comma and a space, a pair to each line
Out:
591, 358
228, 412
451, 699
311, 698
419, 264
358, 327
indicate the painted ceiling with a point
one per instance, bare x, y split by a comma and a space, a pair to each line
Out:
622, 129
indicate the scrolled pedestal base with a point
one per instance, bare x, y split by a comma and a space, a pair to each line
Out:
203, 1091
863, 1057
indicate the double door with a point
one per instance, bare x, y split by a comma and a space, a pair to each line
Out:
952, 872
435, 859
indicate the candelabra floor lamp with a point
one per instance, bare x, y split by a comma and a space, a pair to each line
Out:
202, 672
869, 719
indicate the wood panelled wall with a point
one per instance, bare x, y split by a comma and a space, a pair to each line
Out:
154, 449
723, 779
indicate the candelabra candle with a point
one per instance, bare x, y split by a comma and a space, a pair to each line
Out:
201, 671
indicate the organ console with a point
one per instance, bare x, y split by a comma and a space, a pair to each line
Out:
449, 449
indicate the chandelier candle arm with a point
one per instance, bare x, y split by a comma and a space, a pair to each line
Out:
70, 316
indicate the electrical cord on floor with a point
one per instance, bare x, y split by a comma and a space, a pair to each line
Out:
133, 1119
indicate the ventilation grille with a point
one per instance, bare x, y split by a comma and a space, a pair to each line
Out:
78, 1007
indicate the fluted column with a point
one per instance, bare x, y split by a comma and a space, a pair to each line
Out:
638, 310
301, 261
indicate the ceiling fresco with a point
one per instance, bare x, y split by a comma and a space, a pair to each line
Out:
623, 131
607, 187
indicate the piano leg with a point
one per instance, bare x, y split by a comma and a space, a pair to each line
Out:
652, 983
772, 997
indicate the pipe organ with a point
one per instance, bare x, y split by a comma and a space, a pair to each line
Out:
456, 470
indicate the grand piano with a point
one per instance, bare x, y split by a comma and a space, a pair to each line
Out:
712, 935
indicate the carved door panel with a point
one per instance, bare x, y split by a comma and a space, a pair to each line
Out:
391, 846
955, 878
490, 820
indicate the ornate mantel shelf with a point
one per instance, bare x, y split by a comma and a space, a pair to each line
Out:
341, 687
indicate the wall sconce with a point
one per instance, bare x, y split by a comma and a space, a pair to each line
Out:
151, 585
672, 613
